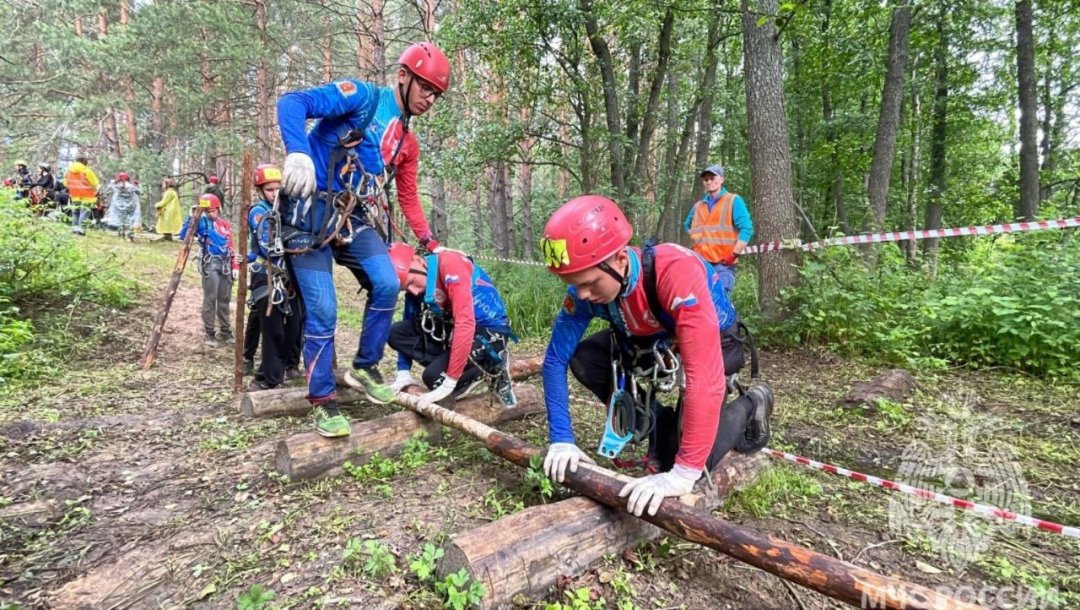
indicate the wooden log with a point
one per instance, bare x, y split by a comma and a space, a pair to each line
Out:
308, 455
150, 351
826, 575
241, 288
292, 401
527, 552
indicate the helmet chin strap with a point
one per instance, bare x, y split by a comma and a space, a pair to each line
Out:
623, 280
406, 113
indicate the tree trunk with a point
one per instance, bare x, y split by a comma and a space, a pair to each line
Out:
308, 455
889, 119
440, 219
611, 98
525, 187
938, 135
648, 128
914, 177
836, 187
1028, 205
565, 538
770, 157
150, 351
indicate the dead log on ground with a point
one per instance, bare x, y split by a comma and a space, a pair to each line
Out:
526, 553
308, 455
292, 401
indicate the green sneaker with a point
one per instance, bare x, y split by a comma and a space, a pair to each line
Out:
329, 421
370, 381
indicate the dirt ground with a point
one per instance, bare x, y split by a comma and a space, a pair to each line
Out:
122, 488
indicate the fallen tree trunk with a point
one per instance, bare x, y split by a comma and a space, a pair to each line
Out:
832, 577
292, 401
308, 455
565, 538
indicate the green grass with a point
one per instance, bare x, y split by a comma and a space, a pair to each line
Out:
775, 491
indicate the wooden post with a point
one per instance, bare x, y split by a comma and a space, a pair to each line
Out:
308, 455
150, 351
292, 401
526, 552
826, 575
241, 289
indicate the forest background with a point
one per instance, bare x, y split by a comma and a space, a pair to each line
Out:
829, 116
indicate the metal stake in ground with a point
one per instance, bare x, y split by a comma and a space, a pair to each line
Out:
150, 351
241, 278
837, 579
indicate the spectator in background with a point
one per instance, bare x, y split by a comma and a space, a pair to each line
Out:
124, 211
82, 184
168, 210
213, 187
719, 226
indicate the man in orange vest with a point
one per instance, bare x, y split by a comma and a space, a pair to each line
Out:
82, 184
719, 226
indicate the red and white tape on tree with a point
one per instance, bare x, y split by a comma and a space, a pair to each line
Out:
981, 509
879, 238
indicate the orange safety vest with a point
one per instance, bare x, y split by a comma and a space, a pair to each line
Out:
714, 233
78, 185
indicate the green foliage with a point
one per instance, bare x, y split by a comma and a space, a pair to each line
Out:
458, 592
255, 598
372, 557
423, 563
775, 490
536, 479
578, 599
46, 278
532, 296
1003, 302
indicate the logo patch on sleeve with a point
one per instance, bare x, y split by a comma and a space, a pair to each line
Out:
450, 279
687, 301
346, 88
569, 304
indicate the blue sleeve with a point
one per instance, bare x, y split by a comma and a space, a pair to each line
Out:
570, 325
370, 154
335, 99
689, 218
184, 229
741, 217
412, 307
260, 232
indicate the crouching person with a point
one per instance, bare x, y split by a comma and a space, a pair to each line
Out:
455, 325
668, 311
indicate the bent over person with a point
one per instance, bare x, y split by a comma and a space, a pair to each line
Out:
455, 325
667, 311
338, 211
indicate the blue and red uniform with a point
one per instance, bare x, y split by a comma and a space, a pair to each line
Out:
347, 110
689, 290
216, 240
461, 295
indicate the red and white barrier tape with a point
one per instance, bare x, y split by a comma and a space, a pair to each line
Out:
981, 509
516, 261
877, 238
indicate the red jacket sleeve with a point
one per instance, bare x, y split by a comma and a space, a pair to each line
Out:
683, 290
407, 193
455, 273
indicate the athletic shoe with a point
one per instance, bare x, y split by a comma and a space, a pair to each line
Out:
249, 367
329, 421
370, 381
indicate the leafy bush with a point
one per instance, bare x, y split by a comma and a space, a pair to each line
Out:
45, 276
1011, 301
533, 296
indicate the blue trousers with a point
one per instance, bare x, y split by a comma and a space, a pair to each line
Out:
727, 276
366, 257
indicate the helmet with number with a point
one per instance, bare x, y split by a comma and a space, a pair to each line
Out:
265, 174
122, 177
583, 233
214, 180
209, 201
429, 63
401, 255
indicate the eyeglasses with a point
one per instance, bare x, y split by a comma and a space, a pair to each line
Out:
427, 89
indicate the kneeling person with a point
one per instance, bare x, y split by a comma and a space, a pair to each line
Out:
454, 324
667, 309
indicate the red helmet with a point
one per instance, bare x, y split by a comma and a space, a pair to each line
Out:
584, 232
401, 255
266, 173
214, 179
122, 177
429, 63
9, 182
209, 201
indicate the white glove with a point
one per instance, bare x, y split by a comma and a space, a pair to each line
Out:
562, 455
445, 388
298, 176
403, 380
235, 274
651, 490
